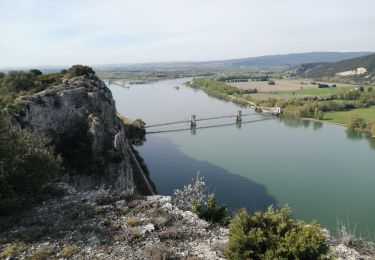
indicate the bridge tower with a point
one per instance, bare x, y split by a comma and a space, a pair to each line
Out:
193, 121
238, 115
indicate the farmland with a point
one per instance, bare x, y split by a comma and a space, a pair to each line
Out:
287, 88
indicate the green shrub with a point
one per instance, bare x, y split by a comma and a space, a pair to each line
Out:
273, 234
293, 111
15, 81
35, 72
212, 212
80, 70
134, 130
26, 164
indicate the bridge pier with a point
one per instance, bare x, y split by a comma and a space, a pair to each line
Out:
193, 130
238, 115
193, 121
238, 124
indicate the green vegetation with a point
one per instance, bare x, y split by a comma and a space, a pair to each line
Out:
80, 70
330, 70
357, 123
215, 87
342, 117
242, 76
273, 234
134, 130
194, 197
321, 108
19, 83
313, 91
151, 74
27, 163
212, 212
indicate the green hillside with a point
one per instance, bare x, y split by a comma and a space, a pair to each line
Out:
331, 69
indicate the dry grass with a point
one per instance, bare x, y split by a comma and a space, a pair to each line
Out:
133, 221
172, 234
162, 221
12, 250
160, 251
69, 251
43, 252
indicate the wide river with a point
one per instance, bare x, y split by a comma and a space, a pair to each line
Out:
321, 171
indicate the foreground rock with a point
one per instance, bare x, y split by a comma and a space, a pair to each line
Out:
358, 249
93, 225
96, 225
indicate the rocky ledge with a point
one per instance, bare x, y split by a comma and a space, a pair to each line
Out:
94, 225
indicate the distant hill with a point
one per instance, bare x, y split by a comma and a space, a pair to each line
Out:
282, 61
287, 60
356, 68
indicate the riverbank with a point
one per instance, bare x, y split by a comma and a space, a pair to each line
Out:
231, 93
225, 92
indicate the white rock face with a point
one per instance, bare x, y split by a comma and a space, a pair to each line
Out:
82, 104
355, 72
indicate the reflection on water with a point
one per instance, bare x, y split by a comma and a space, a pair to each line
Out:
297, 123
175, 169
358, 136
294, 123
354, 135
317, 125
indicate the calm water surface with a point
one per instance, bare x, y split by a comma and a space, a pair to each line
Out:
321, 171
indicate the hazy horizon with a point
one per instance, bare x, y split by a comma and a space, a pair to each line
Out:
45, 33
161, 62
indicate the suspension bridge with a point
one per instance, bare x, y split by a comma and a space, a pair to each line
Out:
193, 122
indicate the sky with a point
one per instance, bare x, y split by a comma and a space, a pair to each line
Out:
92, 32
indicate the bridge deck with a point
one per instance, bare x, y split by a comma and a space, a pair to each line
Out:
210, 126
198, 119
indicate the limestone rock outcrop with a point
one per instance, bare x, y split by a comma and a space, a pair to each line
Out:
79, 116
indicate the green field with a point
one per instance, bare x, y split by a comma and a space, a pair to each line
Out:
342, 117
299, 93
315, 91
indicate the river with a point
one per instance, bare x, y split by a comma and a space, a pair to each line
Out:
321, 171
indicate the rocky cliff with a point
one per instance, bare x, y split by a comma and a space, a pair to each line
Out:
79, 117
